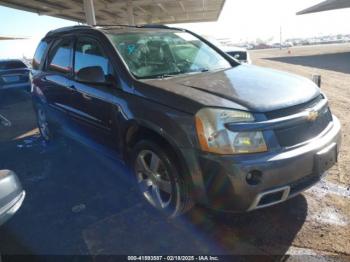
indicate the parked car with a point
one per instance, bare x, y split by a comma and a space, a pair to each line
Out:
195, 125
14, 74
11, 195
239, 53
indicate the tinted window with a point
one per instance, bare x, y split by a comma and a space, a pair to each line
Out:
61, 57
6, 65
89, 53
38, 56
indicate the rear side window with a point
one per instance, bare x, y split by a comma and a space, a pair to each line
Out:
60, 57
39, 53
6, 65
89, 53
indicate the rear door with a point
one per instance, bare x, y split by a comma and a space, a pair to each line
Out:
56, 82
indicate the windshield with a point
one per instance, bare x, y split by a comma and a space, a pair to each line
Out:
161, 54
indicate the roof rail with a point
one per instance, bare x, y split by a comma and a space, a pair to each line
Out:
154, 26
136, 26
67, 28
76, 27
113, 25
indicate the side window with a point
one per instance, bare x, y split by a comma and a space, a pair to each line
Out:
89, 53
39, 53
60, 58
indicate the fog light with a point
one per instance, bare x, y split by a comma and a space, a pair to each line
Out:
253, 178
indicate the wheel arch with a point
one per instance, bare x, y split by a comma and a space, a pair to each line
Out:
142, 130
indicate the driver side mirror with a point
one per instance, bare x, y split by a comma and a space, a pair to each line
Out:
91, 75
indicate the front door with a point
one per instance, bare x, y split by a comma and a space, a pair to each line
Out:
93, 109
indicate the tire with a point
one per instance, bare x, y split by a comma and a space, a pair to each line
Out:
158, 177
43, 124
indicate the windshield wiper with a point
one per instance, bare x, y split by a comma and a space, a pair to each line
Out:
162, 76
167, 75
201, 70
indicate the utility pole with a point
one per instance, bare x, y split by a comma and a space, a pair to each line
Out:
281, 37
89, 10
131, 16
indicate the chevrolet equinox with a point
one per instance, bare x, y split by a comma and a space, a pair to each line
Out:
194, 124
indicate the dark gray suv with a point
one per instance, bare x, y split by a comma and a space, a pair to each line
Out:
195, 125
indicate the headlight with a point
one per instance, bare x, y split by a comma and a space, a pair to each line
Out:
214, 137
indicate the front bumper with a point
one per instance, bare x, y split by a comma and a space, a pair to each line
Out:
285, 173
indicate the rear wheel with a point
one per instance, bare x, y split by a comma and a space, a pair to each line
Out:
43, 123
158, 178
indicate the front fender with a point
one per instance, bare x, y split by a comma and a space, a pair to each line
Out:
176, 127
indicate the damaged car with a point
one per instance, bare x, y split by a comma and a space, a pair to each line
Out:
194, 124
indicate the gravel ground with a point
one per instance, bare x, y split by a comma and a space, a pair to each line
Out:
327, 224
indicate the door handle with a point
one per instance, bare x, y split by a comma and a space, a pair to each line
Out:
86, 96
72, 87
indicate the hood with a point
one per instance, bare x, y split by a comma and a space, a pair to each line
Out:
254, 88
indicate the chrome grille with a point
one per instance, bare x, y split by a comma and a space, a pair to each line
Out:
291, 136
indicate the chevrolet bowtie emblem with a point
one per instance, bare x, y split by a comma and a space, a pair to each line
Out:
312, 116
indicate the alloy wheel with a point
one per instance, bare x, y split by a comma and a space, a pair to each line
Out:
153, 179
43, 124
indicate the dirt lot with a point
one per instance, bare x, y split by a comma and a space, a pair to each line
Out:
81, 203
332, 62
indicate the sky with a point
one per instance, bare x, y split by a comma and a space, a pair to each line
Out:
240, 20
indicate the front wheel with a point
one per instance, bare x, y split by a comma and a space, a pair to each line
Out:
158, 178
